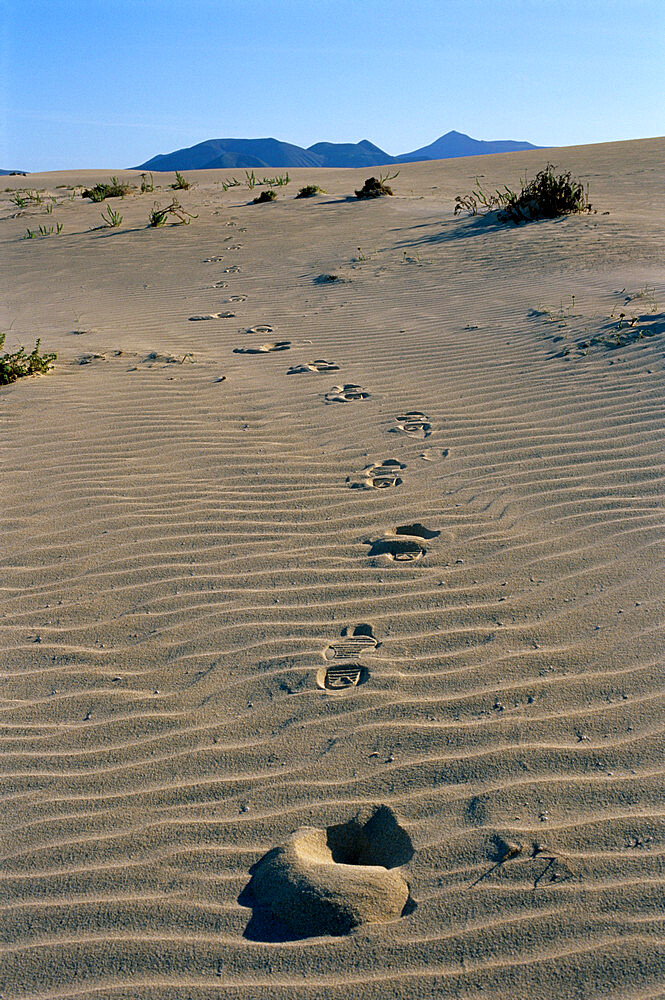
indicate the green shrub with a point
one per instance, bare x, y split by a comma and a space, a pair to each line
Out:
112, 189
147, 185
264, 196
547, 196
18, 364
309, 191
376, 187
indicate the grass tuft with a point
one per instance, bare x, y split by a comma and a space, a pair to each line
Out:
181, 183
309, 191
17, 364
264, 196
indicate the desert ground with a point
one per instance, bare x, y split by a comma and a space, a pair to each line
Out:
409, 564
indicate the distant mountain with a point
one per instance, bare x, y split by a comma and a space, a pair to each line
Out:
454, 144
350, 154
8, 173
269, 153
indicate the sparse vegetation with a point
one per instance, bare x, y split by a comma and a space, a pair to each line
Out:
547, 196
264, 196
112, 189
309, 191
230, 182
33, 234
181, 183
376, 187
17, 364
159, 216
147, 186
112, 219
23, 198
279, 181
250, 180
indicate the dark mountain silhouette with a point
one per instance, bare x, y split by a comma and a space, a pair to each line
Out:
457, 144
269, 153
8, 173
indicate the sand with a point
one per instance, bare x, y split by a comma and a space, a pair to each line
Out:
407, 554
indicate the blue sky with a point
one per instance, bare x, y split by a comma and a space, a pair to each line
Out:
93, 83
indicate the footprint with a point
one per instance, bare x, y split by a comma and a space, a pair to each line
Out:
342, 677
212, 260
381, 475
235, 298
403, 544
313, 366
220, 315
414, 423
353, 642
234, 269
262, 328
280, 345
432, 454
346, 393
235, 246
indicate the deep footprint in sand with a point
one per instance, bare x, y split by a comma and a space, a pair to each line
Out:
380, 476
219, 315
405, 543
353, 641
313, 366
346, 393
234, 269
414, 423
342, 677
280, 345
212, 260
235, 298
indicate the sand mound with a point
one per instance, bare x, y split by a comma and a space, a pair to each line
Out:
330, 881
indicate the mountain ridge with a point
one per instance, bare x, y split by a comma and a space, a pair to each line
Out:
269, 152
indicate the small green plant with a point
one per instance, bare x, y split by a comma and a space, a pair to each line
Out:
309, 191
265, 196
159, 216
278, 181
230, 182
376, 187
482, 201
112, 219
17, 364
32, 234
19, 200
147, 186
49, 206
250, 180
113, 189
181, 183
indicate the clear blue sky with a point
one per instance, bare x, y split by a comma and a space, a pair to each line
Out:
110, 83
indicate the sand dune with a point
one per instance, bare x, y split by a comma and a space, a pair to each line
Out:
246, 591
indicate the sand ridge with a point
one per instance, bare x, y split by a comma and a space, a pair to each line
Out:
183, 559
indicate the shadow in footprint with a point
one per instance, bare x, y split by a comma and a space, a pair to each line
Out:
414, 423
313, 366
380, 476
406, 543
354, 640
280, 345
346, 393
204, 316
